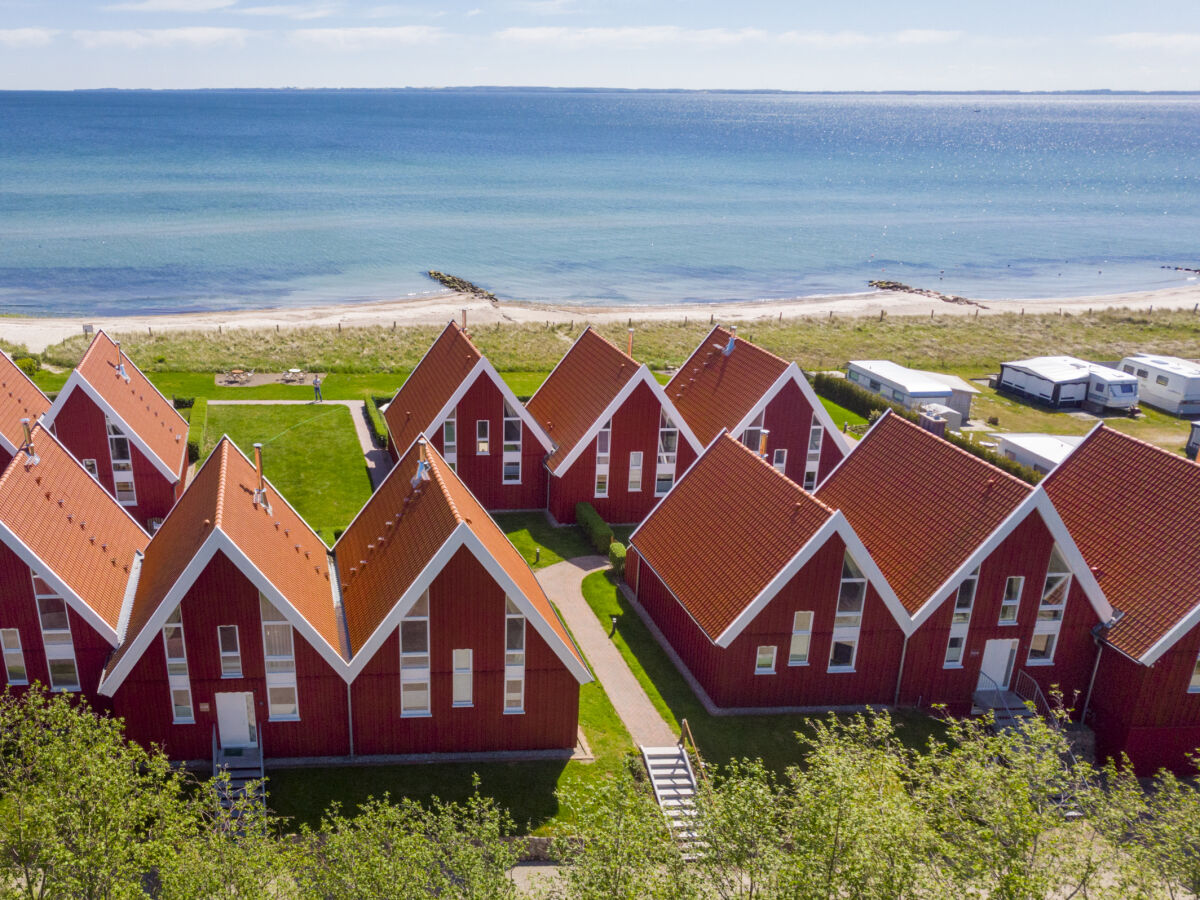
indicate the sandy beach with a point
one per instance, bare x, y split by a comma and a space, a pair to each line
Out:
39, 333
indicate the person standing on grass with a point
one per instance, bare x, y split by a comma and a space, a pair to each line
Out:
317, 398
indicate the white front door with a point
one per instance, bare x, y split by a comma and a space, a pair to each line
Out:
997, 666
235, 720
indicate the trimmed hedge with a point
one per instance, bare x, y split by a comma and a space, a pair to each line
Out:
379, 429
183, 402
195, 438
616, 556
593, 526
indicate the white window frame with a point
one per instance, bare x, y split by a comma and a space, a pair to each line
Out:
462, 664
483, 440
511, 449
1194, 682
664, 470
9, 636
89, 466
603, 457
1015, 603
121, 469
514, 658
801, 634
635, 472
414, 664
812, 459
56, 651
178, 681
847, 623
284, 676
779, 459
752, 434
960, 620
450, 439
763, 666
230, 655
1051, 609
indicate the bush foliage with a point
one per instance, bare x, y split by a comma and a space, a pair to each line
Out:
379, 429
196, 427
28, 364
594, 527
616, 556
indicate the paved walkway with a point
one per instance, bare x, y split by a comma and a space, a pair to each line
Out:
563, 584
379, 461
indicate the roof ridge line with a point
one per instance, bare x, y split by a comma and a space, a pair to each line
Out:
750, 343
437, 474
957, 449
596, 332
222, 473
465, 335
1166, 453
810, 495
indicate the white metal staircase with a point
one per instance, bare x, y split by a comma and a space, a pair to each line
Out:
674, 783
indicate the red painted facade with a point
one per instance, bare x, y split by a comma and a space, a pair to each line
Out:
788, 419
1024, 552
5, 459
466, 611
483, 472
81, 427
728, 675
634, 427
223, 596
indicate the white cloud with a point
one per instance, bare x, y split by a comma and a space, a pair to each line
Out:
289, 11
26, 37
1153, 40
473, 12
137, 38
629, 37
354, 38
841, 39
172, 5
925, 36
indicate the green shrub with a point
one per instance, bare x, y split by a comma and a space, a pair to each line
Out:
183, 402
196, 425
30, 365
593, 526
379, 429
616, 556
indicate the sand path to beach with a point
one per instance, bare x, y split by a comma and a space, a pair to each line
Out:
39, 333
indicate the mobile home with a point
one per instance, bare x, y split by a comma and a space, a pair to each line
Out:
1166, 382
1066, 382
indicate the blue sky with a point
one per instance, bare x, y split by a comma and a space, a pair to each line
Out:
788, 45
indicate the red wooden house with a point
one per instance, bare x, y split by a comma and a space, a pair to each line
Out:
66, 553
475, 422
456, 647
765, 595
619, 443
20, 399
730, 384
998, 595
1134, 509
123, 431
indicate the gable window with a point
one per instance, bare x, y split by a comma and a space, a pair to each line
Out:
603, 447
56, 637
482, 427
764, 660
463, 686
752, 436
1194, 683
812, 461
1011, 604
231, 651
1050, 610
779, 459
960, 620
279, 657
635, 471
512, 446
450, 440
414, 659
668, 448
122, 466
89, 466
514, 658
852, 594
14, 657
177, 668
801, 637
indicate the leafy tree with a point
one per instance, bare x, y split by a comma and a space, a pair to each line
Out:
739, 825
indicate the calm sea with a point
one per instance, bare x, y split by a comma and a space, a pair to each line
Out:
147, 201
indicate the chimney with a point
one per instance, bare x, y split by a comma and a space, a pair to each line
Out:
629, 352
732, 341
762, 443
260, 492
464, 325
422, 468
28, 448
120, 361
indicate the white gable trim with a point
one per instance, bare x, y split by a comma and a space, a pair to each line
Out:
8, 445
699, 456
78, 381
820, 413
31, 559
135, 574
1168, 640
484, 367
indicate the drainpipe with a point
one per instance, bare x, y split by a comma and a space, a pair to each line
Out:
900, 676
350, 717
1096, 632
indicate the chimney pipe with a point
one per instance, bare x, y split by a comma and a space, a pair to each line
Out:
28, 448
464, 325
120, 361
762, 443
260, 493
630, 350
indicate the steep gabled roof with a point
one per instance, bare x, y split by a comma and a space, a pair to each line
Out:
63, 524
20, 399
432, 390
1134, 511
268, 542
410, 528
921, 505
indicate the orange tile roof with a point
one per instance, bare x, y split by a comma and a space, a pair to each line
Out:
137, 401
71, 524
714, 391
1134, 512
20, 399
430, 386
582, 385
397, 539
725, 531
920, 505
221, 496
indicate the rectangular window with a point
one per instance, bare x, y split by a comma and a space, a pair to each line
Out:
954, 652
450, 438
779, 459
280, 661
463, 686
1194, 684
603, 449
231, 651
56, 637
812, 460
14, 657
512, 446
90, 467
1011, 604
752, 436
852, 593
635, 471
481, 436
1127, 368
764, 660
180, 686
122, 466
514, 658
1161, 379
960, 620
414, 659
668, 449
1050, 610
801, 638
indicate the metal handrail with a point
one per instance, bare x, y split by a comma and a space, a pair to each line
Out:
999, 692
1029, 690
686, 737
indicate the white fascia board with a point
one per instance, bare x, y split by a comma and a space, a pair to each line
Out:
159, 617
699, 456
46, 573
419, 361
548, 378
540, 624
1071, 453
483, 367
862, 556
674, 414
820, 414
1168, 640
682, 370
1074, 558
78, 381
8, 445
642, 562
861, 441
641, 376
135, 574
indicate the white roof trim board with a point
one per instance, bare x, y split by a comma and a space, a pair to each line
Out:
820, 413
484, 367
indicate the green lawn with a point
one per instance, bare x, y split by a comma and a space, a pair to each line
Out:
335, 386
328, 487
530, 531
840, 415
